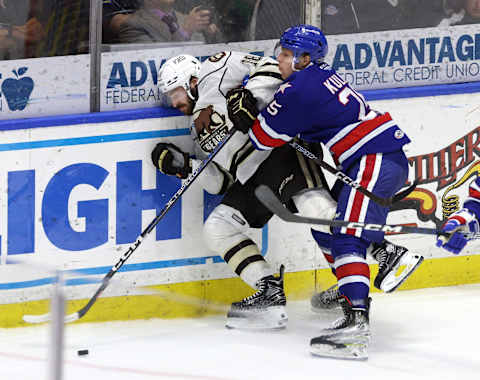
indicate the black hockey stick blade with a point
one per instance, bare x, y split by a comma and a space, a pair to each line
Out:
405, 193
270, 200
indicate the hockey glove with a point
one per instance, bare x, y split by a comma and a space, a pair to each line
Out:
171, 160
242, 108
462, 225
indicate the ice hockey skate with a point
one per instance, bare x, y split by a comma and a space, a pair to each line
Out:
349, 336
390, 259
265, 309
326, 300
395, 265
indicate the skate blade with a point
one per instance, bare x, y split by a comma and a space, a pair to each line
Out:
270, 319
396, 278
337, 350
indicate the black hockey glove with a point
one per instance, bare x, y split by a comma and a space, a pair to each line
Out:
242, 108
171, 160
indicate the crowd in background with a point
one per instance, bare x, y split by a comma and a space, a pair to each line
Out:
358, 16
210, 21
41, 28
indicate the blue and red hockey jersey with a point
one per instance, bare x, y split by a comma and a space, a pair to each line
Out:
318, 105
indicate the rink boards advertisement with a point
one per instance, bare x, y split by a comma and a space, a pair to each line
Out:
76, 197
44, 86
404, 58
400, 58
77, 203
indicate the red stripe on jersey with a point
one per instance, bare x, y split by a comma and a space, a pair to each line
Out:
353, 269
359, 197
474, 193
263, 138
358, 133
329, 258
459, 219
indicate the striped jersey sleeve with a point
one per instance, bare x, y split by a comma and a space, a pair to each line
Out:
277, 124
264, 137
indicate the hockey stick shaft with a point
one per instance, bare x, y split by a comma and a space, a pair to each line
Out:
186, 184
270, 200
385, 202
105, 281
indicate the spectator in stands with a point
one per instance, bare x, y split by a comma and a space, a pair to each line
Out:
235, 17
461, 12
358, 16
115, 12
158, 21
68, 28
271, 18
443, 13
21, 28
352, 16
473, 9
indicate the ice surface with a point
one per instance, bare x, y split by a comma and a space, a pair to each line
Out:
421, 334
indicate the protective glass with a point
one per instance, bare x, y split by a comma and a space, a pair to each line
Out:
277, 50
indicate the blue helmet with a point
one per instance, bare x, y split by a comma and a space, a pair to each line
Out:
303, 39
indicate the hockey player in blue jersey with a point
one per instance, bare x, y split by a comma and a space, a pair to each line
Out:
317, 105
463, 224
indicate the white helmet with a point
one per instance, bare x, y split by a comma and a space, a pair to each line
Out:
177, 72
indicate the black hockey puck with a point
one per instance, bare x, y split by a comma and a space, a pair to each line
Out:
82, 352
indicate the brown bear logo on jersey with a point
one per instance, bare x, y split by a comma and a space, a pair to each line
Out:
211, 128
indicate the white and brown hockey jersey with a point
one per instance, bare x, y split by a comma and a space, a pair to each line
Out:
219, 74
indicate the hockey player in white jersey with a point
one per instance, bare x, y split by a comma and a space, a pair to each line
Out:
199, 90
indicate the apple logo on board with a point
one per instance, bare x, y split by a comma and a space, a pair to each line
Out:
17, 90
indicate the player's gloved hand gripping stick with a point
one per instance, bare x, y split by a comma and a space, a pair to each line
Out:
461, 226
186, 184
242, 108
171, 160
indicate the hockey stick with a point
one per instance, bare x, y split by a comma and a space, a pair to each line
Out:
270, 200
186, 184
385, 202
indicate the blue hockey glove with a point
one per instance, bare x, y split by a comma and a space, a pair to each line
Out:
462, 226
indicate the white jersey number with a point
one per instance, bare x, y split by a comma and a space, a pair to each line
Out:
273, 108
344, 98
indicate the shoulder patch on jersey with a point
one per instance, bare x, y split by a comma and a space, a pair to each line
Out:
211, 128
399, 134
217, 57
